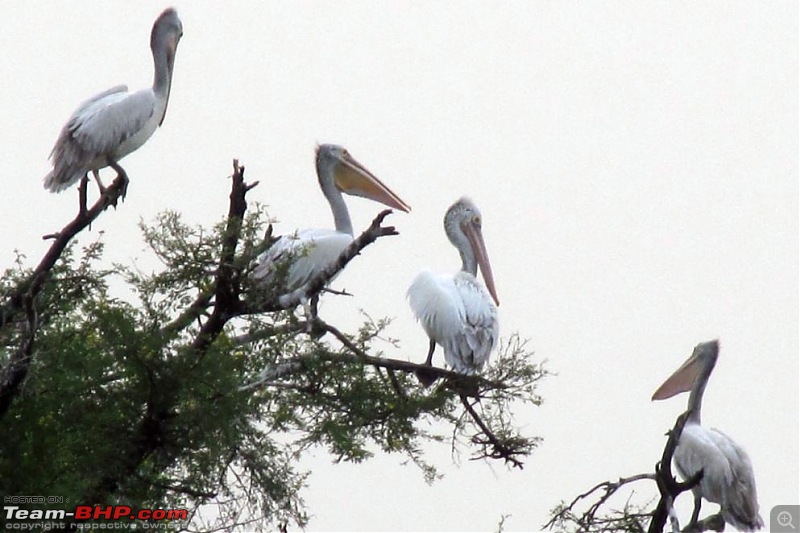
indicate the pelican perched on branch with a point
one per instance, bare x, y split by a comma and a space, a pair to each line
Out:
456, 311
727, 473
307, 252
114, 123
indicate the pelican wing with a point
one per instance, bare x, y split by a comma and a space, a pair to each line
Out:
95, 130
103, 124
459, 315
728, 478
740, 507
294, 259
436, 305
698, 450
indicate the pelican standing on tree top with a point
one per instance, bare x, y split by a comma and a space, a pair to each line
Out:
114, 123
294, 259
456, 311
728, 478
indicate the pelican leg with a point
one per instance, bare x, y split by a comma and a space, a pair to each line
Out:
99, 183
429, 360
695, 512
120, 174
312, 324
82, 195
426, 377
309, 315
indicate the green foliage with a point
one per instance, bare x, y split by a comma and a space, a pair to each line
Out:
121, 404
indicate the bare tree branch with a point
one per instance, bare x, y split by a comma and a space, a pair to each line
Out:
227, 285
493, 447
608, 488
669, 489
668, 486
22, 300
456, 380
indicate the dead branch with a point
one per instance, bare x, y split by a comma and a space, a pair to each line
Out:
669, 489
457, 380
609, 488
493, 447
227, 284
22, 299
357, 355
668, 486
13, 303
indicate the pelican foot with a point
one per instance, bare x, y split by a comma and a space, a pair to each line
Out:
314, 329
121, 175
714, 522
124, 190
426, 377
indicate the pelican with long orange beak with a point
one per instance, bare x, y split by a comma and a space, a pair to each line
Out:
728, 477
456, 311
294, 259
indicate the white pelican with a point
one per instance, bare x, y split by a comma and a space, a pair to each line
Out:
727, 473
456, 311
308, 251
114, 123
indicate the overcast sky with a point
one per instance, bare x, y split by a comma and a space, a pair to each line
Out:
636, 164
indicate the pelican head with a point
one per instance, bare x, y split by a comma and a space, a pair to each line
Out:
462, 224
335, 164
167, 31
699, 364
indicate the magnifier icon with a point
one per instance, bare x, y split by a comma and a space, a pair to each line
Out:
785, 519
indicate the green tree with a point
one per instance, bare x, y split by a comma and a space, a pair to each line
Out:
206, 389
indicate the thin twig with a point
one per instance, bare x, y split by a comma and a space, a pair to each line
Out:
609, 489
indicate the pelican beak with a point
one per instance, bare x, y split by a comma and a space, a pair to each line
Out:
475, 237
352, 178
681, 380
172, 48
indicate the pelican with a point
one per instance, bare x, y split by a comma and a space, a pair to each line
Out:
456, 311
728, 478
309, 251
114, 123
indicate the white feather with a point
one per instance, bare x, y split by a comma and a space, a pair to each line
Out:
728, 477
304, 254
458, 314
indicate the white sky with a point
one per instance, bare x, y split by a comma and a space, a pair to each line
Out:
636, 164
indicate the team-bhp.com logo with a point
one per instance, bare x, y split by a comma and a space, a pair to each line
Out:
89, 512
